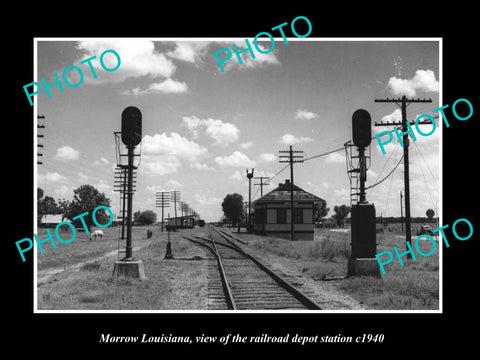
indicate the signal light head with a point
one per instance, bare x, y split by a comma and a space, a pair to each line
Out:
361, 127
131, 126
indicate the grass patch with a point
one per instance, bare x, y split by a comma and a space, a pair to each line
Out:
91, 266
170, 284
82, 249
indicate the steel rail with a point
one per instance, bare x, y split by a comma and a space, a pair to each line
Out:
226, 286
299, 295
201, 244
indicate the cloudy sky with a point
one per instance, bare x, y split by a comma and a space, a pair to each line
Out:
202, 127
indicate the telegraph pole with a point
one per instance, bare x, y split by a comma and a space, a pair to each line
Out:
175, 196
291, 159
403, 103
261, 183
401, 209
163, 201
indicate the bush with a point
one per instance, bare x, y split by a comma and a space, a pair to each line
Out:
147, 217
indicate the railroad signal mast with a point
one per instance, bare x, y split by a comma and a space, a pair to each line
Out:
403, 102
362, 260
120, 185
131, 136
291, 159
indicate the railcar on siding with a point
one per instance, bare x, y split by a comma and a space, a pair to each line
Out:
180, 222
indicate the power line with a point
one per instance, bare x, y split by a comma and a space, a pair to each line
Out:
424, 179
428, 167
384, 166
278, 173
390, 173
324, 154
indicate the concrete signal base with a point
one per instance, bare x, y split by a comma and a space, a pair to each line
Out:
363, 267
132, 268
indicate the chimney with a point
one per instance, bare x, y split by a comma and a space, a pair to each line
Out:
287, 181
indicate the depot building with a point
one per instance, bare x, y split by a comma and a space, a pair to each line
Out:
272, 212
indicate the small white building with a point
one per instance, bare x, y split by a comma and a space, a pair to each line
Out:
50, 220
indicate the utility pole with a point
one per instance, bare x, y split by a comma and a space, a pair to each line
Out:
163, 201
291, 159
403, 103
401, 209
245, 209
175, 196
249, 176
261, 183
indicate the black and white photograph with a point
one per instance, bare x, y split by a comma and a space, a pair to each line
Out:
203, 174
237, 183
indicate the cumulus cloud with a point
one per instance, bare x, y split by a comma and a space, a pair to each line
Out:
189, 51
305, 115
173, 184
246, 145
289, 139
395, 116
173, 144
168, 86
104, 187
223, 133
236, 176
160, 165
207, 200
51, 177
236, 159
102, 161
138, 58
163, 154
67, 153
267, 157
423, 80
82, 176
63, 191
201, 167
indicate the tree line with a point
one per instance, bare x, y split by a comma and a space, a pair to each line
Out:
85, 199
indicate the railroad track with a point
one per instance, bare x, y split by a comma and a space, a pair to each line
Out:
239, 281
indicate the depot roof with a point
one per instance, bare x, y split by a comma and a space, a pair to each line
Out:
282, 194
